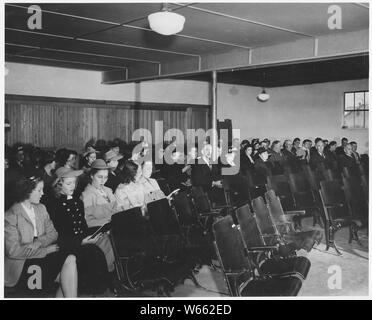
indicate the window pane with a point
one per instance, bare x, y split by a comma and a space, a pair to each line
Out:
359, 119
349, 119
349, 101
359, 100
366, 95
367, 119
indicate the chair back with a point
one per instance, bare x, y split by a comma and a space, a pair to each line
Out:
248, 227
262, 214
230, 246
162, 218
182, 205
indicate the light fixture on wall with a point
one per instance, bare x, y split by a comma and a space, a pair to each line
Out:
166, 22
263, 96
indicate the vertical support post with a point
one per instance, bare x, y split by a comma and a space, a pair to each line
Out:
214, 136
316, 41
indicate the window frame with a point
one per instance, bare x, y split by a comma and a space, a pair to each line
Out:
363, 110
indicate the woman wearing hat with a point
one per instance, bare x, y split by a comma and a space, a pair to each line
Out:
114, 177
67, 213
30, 249
99, 201
88, 158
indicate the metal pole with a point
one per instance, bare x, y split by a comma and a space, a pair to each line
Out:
214, 115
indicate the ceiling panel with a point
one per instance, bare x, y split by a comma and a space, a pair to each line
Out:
308, 18
115, 43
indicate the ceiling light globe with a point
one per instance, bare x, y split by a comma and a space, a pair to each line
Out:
166, 23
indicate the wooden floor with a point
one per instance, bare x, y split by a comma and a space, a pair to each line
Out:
352, 267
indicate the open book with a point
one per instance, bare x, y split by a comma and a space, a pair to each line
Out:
169, 196
106, 227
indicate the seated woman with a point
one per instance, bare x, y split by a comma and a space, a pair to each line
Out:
130, 194
99, 205
88, 158
150, 186
246, 159
33, 261
99, 201
67, 214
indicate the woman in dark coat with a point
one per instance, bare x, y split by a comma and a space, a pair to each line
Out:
67, 213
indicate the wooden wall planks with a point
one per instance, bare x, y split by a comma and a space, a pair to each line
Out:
56, 122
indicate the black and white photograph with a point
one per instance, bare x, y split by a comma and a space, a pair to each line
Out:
180, 151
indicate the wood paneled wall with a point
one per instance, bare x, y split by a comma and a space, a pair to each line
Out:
56, 122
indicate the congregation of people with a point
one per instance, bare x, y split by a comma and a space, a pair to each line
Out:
56, 201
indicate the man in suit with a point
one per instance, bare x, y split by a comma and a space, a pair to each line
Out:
319, 156
289, 156
340, 150
207, 175
347, 159
262, 167
355, 154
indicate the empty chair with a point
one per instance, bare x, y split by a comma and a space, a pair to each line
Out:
238, 270
331, 175
138, 259
312, 178
304, 239
304, 196
337, 213
280, 184
199, 241
268, 264
355, 198
162, 218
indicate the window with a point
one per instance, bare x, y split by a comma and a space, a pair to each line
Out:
356, 110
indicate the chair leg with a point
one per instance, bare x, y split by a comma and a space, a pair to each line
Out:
354, 234
327, 233
332, 243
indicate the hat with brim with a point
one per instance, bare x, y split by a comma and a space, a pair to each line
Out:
100, 165
90, 150
112, 156
67, 173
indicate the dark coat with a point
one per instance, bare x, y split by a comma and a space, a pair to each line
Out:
316, 159
69, 220
347, 161
203, 175
261, 171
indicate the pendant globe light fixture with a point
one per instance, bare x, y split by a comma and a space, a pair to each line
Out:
166, 22
263, 96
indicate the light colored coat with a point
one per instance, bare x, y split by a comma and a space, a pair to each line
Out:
98, 210
19, 233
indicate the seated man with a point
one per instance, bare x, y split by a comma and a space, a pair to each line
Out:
340, 149
289, 156
207, 175
347, 159
262, 168
354, 147
319, 156
276, 157
303, 153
